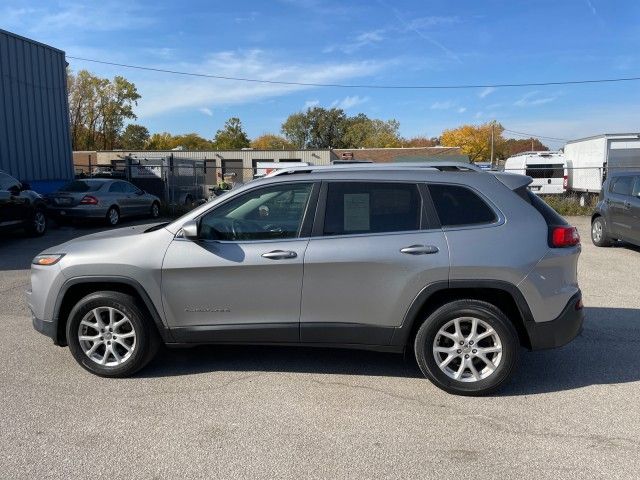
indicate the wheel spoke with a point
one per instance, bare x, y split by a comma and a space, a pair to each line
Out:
446, 361
112, 316
461, 369
474, 372
485, 334
490, 365
494, 349
115, 354
89, 338
456, 323
107, 351
448, 335
126, 335
124, 345
119, 323
445, 349
96, 314
474, 328
93, 348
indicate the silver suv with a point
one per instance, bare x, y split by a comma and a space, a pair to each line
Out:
461, 266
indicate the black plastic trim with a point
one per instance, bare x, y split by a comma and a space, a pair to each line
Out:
560, 331
345, 333
242, 333
162, 329
45, 328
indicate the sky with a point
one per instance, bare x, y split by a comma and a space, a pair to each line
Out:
380, 42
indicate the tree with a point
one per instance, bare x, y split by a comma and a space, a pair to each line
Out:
98, 109
231, 136
512, 146
161, 141
316, 128
364, 132
270, 141
134, 137
187, 141
421, 142
475, 140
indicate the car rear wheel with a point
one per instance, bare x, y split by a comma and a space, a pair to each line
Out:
37, 224
155, 210
467, 347
599, 235
109, 335
113, 216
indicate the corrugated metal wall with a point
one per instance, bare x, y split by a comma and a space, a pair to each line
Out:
34, 119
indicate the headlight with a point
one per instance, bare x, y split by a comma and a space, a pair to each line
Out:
47, 259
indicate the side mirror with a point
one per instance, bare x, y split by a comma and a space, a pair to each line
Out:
190, 230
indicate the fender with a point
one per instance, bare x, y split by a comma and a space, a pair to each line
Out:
401, 334
164, 332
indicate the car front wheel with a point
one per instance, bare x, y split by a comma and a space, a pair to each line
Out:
109, 335
37, 224
599, 235
155, 210
467, 347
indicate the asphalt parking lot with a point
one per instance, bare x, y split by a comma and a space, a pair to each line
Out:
254, 412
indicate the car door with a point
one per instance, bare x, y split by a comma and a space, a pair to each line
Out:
372, 251
619, 204
242, 279
139, 202
117, 194
13, 206
634, 212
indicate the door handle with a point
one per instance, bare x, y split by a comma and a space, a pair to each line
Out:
280, 255
419, 249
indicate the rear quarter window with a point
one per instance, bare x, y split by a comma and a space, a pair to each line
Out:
457, 206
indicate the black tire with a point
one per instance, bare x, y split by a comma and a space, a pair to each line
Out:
604, 240
155, 210
487, 313
113, 216
36, 226
147, 339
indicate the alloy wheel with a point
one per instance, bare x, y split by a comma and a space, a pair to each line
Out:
114, 216
39, 222
467, 349
107, 336
596, 230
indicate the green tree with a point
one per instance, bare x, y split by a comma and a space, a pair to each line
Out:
161, 141
316, 128
269, 141
231, 136
364, 132
134, 137
421, 142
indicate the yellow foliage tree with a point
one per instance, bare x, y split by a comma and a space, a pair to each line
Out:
475, 140
270, 141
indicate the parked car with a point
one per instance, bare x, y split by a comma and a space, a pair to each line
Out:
617, 214
101, 198
460, 266
20, 207
548, 170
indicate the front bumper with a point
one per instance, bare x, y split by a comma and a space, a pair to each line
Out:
561, 330
45, 328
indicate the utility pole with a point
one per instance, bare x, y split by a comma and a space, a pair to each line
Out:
492, 124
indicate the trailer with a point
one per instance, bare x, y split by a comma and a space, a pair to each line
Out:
590, 159
548, 170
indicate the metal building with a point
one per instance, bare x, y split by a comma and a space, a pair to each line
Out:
35, 145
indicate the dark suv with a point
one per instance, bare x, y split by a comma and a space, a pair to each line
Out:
617, 215
21, 207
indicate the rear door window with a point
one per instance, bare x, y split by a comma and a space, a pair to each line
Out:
545, 170
457, 205
622, 185
368, 207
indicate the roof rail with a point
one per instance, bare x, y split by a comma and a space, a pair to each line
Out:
359, 167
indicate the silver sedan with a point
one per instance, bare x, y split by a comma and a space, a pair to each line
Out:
101, 198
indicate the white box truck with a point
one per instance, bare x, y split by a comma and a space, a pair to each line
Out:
590, 159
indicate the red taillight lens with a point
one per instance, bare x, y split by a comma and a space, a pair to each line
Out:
565, 182
89, 200
564, 237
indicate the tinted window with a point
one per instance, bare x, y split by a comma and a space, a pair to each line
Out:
358, 207
545, 171
7, 181
118, 187
129, 187
457, 205
81, 186
551, 217
266, 213
622, 185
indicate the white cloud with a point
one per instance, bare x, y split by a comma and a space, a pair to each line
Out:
251, 17
533, 99
349, 102
462, 109
446, 105
479, 114
362, 40
162, 94
591, 7
486, 92
206, 111
311, 103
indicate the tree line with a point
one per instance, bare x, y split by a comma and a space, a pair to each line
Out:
102, 113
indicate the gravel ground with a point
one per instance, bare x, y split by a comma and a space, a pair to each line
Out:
308, 413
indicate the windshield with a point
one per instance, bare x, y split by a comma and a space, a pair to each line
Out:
80, 186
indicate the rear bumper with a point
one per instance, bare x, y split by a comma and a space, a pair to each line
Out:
561, 330
76, 212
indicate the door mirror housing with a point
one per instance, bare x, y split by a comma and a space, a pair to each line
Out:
190, 230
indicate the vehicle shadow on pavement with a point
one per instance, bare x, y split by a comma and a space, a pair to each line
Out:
606, 352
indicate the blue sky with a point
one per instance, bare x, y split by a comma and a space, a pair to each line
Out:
357, 42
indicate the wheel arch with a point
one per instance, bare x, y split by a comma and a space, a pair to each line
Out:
503, 295
76, 288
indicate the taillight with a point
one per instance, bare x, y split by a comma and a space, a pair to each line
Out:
89, 200
564, 237
565, 182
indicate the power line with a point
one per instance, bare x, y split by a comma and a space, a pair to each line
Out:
342, 85
535, 136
